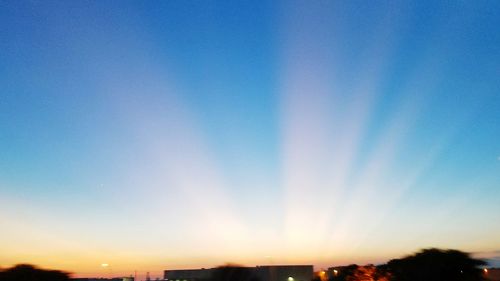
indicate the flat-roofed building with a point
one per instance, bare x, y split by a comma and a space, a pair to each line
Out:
262, 273
284, 272
104, 279
188, 274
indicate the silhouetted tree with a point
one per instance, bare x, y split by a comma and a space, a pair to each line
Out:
382, 273
26, 272
369, 273
436, 265
360, 273
345, 273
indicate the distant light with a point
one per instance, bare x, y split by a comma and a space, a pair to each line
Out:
485, 271
104, 264
335, 272
322, 272
290, 278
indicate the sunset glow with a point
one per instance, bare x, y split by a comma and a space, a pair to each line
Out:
170, 134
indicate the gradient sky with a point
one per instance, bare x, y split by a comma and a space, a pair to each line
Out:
170, 134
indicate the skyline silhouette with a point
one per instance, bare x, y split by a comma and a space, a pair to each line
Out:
427, 264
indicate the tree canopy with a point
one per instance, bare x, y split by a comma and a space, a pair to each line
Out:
426, 265
436, 265
27, 272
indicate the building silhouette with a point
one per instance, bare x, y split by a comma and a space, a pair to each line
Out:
261, 273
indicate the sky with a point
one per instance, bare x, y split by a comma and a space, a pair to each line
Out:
154, 135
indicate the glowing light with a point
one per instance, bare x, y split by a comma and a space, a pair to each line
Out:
485, 271
335, 272
104, 264
290, 278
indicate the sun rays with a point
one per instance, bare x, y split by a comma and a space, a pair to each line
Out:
310, 132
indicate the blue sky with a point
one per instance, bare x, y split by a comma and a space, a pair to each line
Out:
299, 131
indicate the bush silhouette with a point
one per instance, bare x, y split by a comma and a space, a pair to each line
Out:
26, 272
436, 265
